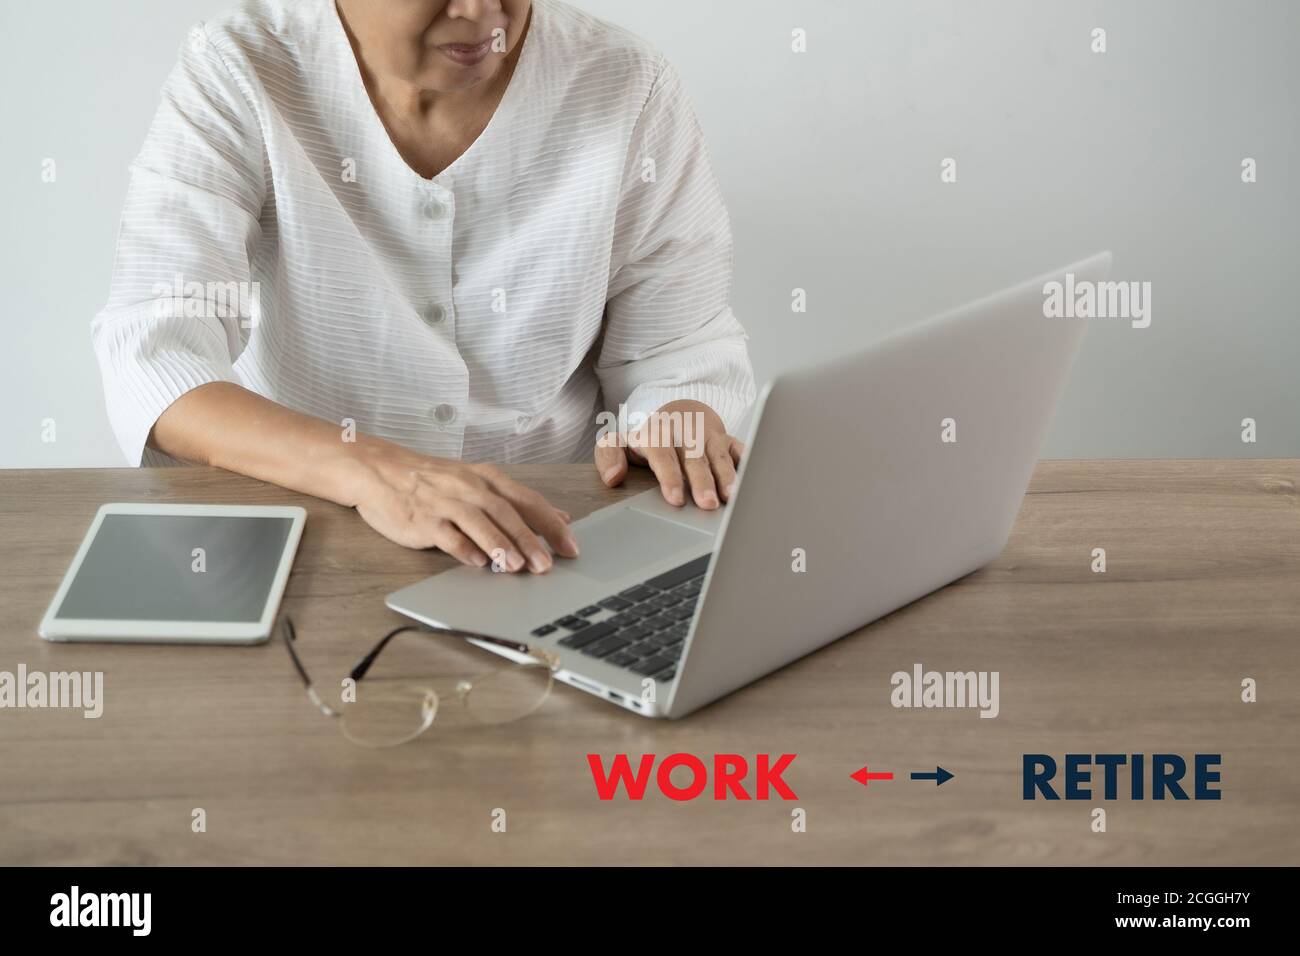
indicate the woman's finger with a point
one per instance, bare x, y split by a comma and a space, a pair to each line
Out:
611, 460
475, 524
718, 451
540, 514
663, 462
736, 448
506, 517
700, 477
448, 538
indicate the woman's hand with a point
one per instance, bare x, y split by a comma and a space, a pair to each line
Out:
686, 445
473, 512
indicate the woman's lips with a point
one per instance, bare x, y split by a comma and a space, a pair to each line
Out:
466, 54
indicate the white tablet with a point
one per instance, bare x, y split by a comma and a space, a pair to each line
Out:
177, 574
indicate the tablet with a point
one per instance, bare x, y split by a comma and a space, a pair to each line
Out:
153, 573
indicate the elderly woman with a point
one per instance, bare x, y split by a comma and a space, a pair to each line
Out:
458, 232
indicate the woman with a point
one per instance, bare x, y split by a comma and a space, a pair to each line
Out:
458, 231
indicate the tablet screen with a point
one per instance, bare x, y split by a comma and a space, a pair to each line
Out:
202, 568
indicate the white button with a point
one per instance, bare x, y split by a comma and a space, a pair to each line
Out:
433, 313
444, 414
433, 209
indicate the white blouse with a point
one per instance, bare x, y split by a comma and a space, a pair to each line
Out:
575, 258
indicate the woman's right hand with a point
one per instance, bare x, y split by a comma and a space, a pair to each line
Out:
473, 512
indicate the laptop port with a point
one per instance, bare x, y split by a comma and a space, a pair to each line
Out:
581, 684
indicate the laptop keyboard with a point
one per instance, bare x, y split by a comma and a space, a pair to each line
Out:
642, 628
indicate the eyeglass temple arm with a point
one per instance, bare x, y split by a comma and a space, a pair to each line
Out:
364, 665
291, 635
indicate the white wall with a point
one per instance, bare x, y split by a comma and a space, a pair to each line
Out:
830, 162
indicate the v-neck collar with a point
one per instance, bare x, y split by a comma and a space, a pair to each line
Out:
501, 116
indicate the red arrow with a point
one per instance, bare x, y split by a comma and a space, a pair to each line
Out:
865, 776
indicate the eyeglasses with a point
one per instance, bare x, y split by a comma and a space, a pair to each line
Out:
388, 712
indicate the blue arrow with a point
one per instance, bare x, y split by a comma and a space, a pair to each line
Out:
939, 776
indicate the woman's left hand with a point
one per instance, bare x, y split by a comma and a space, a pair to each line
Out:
687, 447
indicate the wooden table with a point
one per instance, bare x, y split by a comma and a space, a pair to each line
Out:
1202, 590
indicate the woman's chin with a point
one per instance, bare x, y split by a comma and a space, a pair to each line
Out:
451, 78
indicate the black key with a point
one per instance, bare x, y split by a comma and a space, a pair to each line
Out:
638, 593
621, 659
615, 604
571, 622
543, 630
584, 637
664, 600
681, 613
678, 630
621, 620
667, 675
634, 633
606, 647
589, 610
643, 649
651, 665
639, 611
670, 579
675, 652
658, 622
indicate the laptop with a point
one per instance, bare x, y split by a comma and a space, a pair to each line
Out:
869, 481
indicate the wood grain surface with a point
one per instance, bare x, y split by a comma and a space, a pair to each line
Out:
1202, 590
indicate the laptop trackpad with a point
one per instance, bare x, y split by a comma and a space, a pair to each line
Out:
616, 542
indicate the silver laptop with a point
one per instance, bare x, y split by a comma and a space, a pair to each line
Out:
869, 481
